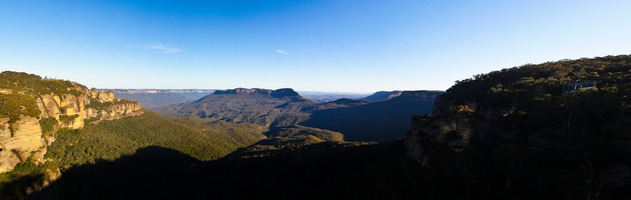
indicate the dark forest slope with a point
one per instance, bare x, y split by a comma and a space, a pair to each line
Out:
528, 133
318, 171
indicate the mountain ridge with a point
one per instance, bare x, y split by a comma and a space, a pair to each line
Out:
285, 107
153, 99
278, 93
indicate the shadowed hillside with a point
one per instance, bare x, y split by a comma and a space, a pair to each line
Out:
523, 133
318, 171
379, 121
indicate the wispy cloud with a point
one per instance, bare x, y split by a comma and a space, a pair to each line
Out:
282, 52
160, 47
164, 49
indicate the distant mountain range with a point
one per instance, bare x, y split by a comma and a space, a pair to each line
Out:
322, 97
154, 98
358, 120
259, 106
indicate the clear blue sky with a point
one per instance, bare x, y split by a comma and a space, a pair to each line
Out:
319, 45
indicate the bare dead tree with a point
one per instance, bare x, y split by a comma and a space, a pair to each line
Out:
592, 193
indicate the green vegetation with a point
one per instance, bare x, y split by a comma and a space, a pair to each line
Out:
110, 140
532, 96
48, 125
67, 118
296, 131
104, 105
36, 85
14, 105
519, 86
26, 174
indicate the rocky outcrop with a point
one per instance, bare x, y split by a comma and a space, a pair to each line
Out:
20, 140
23, 138
102, 96
5, 91
71, 111
114, 111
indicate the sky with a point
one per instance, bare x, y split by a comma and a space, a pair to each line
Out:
309, 45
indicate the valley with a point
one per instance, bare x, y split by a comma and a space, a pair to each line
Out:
358, 120
511, 133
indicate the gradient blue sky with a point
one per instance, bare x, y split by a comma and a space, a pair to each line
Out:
323, 45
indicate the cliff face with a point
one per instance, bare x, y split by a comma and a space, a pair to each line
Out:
23, 137
17, 145
71, 111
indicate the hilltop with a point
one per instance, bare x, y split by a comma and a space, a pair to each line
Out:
259, 106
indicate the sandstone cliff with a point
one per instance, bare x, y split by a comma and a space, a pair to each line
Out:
27, 136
